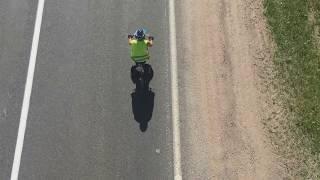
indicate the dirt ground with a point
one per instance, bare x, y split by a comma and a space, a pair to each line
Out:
221, 44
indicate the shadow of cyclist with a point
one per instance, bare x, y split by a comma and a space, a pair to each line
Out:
142, 107
142, 104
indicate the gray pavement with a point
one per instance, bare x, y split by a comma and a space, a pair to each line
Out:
16, 30
81, 124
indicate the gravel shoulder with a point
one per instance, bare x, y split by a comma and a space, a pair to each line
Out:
221, 44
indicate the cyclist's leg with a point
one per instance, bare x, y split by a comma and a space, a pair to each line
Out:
149, 72
134, 74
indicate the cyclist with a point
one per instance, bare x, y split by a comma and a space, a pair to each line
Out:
139, 46
140, 52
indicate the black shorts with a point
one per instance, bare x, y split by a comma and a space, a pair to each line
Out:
148, 75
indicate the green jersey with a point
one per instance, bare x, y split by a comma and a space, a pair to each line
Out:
139, 50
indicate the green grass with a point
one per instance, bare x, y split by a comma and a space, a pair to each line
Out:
297, 60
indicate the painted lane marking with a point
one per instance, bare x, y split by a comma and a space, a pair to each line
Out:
175, 93
27, 93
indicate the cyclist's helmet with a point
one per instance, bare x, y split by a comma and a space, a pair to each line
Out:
140, 35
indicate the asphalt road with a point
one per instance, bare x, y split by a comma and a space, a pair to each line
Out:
16, 29
81, 123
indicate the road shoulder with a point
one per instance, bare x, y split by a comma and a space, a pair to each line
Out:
222, 132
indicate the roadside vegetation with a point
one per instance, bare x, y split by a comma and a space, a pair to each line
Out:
295, 28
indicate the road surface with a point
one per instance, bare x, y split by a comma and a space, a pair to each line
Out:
82, 119
81, 124
16, 30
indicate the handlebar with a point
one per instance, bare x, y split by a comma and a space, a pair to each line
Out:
130, 36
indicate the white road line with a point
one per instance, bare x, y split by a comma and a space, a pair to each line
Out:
27, 92
175, 94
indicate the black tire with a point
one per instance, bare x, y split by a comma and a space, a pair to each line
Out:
140, 86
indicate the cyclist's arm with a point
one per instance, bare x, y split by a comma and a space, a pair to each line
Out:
130, 41
149, 43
